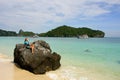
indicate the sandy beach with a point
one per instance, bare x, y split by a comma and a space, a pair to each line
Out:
8, 71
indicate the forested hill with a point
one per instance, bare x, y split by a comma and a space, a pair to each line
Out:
12, 33
67, 31
7, 33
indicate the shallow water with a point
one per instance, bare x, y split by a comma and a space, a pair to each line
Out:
82, 59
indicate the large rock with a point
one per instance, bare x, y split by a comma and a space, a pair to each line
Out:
40, 61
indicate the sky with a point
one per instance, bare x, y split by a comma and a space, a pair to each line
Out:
43, 15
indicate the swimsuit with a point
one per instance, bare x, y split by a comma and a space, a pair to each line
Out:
26, 43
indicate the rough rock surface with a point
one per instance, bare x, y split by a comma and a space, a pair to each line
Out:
40, 61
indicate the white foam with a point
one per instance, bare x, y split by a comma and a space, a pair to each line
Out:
53, 76
69, 73
83, 78
66, 73
4, 60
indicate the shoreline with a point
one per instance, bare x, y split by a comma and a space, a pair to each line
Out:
9, 71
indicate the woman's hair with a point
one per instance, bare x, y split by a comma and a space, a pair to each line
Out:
26, 39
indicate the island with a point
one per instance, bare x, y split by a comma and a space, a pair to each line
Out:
60, 31
20, 33
7, 33
68, 31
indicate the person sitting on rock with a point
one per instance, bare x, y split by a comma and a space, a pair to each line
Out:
29, 46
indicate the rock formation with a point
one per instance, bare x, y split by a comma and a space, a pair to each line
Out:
40, 61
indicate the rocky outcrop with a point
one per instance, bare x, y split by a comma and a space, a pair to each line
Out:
84, 36
40, 61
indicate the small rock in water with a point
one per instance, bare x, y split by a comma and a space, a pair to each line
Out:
87, 50
118, 62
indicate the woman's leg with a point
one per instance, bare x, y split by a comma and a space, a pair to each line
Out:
32, 47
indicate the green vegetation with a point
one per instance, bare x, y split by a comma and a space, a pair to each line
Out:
7, 33
25, 33
67, 31
12, 33
61, 31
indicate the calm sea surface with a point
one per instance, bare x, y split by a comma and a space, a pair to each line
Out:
82, 59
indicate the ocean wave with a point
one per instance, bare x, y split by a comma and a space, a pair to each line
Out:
67, 73
4, 58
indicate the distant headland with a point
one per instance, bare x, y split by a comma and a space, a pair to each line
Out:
7, 33
61, 31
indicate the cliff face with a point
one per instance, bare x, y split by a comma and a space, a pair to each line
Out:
67, 31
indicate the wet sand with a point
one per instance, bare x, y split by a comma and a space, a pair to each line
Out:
9, 71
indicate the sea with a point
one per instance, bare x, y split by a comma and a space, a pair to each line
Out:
81, 59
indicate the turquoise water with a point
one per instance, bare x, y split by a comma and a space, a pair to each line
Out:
100, 57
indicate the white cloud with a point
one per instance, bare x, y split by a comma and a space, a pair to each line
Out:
36, 13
